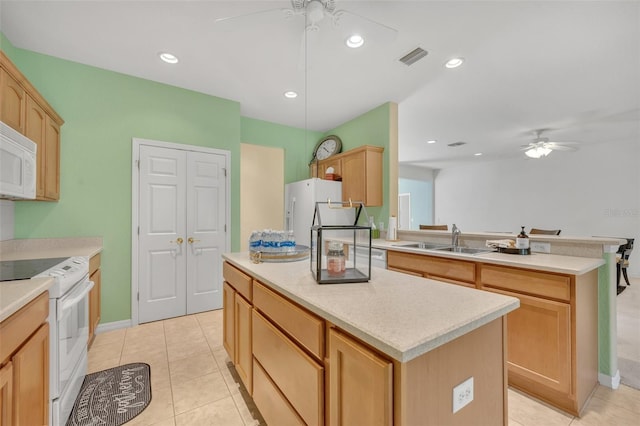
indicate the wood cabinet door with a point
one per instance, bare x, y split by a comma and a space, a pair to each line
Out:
243, 356
6, 394
52, 160
354, 177
539, 341
35, 125
12, 102
360, 384
31, 380
94, 304
228, 320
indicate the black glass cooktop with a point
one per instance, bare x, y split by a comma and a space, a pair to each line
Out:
11, 270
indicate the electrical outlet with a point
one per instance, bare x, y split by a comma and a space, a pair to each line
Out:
540, 247
462, 394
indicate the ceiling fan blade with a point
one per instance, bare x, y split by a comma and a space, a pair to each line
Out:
247, 18
556, 147
368, 27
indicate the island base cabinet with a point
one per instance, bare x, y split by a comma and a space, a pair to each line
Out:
296, 375
243, 358
6, 393
228, 320
423, 387
274, 406
360, 384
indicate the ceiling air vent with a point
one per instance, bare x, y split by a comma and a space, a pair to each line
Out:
413, 56
455, 144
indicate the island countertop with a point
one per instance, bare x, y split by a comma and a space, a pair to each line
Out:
400, 315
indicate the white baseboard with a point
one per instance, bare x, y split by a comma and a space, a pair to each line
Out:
115, 325
609, 381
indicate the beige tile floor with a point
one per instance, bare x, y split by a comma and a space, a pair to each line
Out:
192, 383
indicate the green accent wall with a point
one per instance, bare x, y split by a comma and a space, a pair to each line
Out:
371, 128
104, 110
297, 143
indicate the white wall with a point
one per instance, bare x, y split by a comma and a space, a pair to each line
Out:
594, 191
6, 220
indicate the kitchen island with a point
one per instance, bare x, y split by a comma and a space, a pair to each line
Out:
389, 351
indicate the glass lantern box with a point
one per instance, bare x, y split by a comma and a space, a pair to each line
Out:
335, 238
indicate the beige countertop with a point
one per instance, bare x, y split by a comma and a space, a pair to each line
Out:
16, 294
401, 315
572, 265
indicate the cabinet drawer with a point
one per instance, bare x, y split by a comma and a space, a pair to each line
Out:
94, 263
296, 374
240, 281
304, 327
18, 327
524, 281
434, 267
273, 406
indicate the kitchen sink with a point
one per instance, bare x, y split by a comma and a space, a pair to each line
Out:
465, 250
423, 245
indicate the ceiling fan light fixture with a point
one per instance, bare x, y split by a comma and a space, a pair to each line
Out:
354, 41
537, 152
454, 62
168, 57
290, 94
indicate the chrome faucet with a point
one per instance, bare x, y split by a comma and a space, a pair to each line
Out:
455, 235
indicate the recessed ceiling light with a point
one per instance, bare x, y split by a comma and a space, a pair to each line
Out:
168, 58
354, 41
478, 154
454, 62
432, 141
290, 94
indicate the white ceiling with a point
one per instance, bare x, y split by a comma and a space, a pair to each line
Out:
569, 66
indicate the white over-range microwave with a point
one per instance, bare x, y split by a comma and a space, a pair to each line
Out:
17, 164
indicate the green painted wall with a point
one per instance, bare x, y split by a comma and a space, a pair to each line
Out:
371, 128
297, 143
103, 111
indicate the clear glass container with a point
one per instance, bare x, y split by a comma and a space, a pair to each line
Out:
334, 245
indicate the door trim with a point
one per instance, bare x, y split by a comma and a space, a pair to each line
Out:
136, 143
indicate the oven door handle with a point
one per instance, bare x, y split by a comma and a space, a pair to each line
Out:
70, 303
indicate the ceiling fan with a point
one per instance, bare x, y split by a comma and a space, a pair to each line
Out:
314, 12
542, 146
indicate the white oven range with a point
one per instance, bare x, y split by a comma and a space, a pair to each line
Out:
69, 334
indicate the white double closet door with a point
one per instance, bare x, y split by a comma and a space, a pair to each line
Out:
182, 220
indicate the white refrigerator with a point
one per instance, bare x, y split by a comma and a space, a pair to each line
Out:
300, 200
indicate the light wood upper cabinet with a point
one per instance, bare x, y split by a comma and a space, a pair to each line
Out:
52, 161
362, 175
361, 171
24, 109
36, 124
12, 102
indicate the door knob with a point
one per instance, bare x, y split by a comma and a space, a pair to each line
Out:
192, 240
178, 240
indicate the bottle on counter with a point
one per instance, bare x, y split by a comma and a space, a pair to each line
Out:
336, 265
375, 232
522, 240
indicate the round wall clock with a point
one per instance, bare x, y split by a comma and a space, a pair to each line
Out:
326, 147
